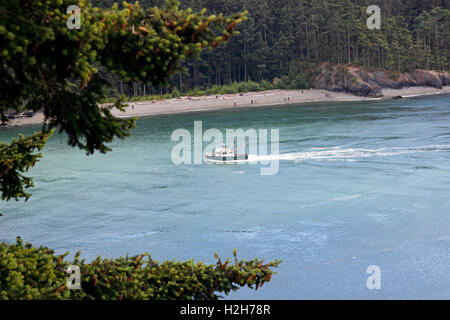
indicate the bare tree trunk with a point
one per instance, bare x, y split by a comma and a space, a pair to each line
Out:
239, 73
231, 69
348, 47
245, 62
317, 57
436, 44
307, 43
379, 58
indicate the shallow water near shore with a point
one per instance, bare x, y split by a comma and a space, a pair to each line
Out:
359, 184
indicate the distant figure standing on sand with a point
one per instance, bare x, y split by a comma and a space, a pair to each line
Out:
235, 104
132, 106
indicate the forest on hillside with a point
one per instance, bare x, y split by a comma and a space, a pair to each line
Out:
290, 37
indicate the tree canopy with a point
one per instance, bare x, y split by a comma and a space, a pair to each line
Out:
47, 67
28, 272
279, 34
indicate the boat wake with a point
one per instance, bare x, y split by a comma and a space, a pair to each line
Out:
338, 153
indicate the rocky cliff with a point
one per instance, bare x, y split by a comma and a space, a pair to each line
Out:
359, 81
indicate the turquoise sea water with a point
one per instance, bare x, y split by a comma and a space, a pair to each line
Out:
364, 184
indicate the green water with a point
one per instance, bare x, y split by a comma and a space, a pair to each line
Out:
359, 184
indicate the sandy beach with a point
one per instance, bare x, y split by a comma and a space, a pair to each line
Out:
230, 101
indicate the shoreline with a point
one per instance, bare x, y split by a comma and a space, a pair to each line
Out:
260, 99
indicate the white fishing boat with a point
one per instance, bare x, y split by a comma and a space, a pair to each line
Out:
225, 155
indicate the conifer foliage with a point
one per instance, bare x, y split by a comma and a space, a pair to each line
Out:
45, 66
27, 272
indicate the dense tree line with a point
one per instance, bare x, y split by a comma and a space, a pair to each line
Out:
283, 37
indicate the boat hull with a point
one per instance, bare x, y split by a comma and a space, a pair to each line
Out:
225, 159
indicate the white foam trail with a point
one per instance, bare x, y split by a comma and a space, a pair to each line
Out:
345, 198
336, 153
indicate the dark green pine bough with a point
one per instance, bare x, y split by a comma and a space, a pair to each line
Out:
37, 273
47, 67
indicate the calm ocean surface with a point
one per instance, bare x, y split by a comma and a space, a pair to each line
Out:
364, 184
